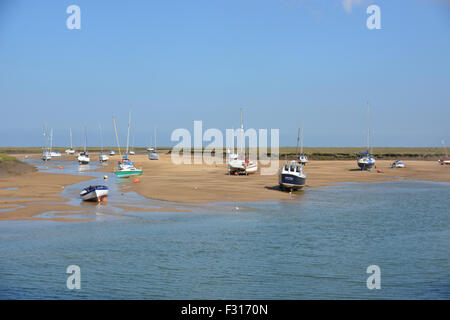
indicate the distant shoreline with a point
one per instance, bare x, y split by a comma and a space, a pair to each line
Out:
319, 153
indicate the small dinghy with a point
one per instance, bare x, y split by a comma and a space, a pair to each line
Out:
94, 193
398, 164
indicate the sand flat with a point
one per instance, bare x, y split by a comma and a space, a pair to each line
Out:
189, 183
36, 193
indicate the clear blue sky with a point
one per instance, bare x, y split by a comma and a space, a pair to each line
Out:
286, 62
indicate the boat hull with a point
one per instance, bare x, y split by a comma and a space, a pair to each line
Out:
127, 173
153, 156
291, 181
95, 194
445, 161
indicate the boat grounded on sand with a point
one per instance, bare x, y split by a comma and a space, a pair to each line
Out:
47, 154
365, 160
238, 163
446, 159
291, 176
398, 164
102, 157
302, 158
94, 193
126, 166
152, 154
83, 157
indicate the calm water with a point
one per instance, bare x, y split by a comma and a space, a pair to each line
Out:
316, 246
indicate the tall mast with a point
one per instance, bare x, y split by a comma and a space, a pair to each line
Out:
85, 137
242, 142
128, 135
368, 129
101, 137
298, 138
71, 147
117, 137
155, 140
51, 139
301, 140
445, 148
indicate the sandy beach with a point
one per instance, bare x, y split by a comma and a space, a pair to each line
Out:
26, 196
189, 183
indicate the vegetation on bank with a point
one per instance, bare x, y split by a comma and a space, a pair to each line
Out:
12, 166
331, 153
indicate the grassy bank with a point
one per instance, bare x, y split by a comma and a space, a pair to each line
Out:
335, 153
11, 166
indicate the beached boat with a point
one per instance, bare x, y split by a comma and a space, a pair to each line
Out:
83, 157
291, 176
112, 153
126, 167
398, 164
94, 193
102, 157
152, 154
55, 154
237, 162
70, 150
46, 156
444, 160
302, 158
366, 160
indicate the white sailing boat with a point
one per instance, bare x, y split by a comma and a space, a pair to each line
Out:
126, 167
102, 157
238, 162
83, 157
152, 154
366, 160
302, 158
46, 155
132, 146
70, 150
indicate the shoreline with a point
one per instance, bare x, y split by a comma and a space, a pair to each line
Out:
27, 196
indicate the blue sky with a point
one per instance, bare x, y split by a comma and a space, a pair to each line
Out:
286, 62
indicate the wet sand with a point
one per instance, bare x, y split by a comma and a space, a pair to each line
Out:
23, 197
26, 196
163, 180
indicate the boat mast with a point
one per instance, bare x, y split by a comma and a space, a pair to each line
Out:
71, 147
128, 134
241, 143
368, 130
101, 138
445, 148
117, 137
51, 139
298, 138
85, 137
155, 140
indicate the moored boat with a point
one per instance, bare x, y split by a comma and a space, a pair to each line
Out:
366, 161
94, 193
83, 157
398, 164
238, 162
291, 176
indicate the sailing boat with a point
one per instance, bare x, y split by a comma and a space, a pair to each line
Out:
132, 146
70, 151
152, 155
446, 159
83, 157
126, 167
366, 159
46, 155
102, 157
302, 159
238, 162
